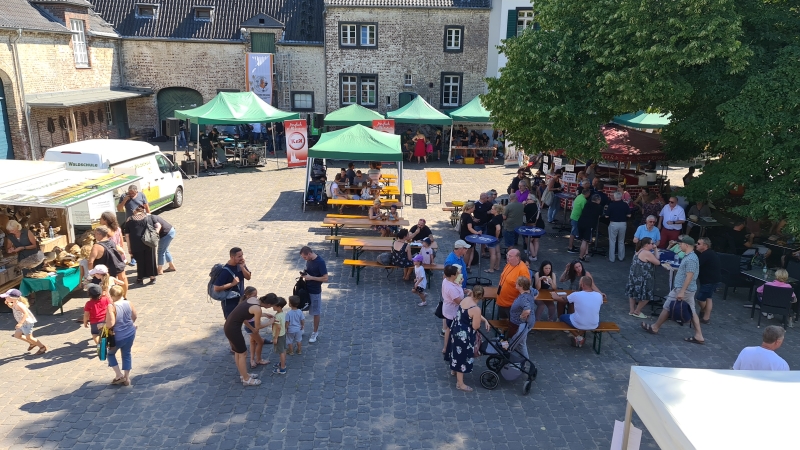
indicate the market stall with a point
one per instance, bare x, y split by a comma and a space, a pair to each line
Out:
643, 120
471, 113
713, 409
357, 143
352, 115
420, 112
233, 108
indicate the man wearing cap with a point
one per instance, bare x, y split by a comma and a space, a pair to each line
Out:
507, 288
684, 287
456, 258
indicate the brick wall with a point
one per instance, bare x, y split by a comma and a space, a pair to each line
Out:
48, 65
409, 40
306, 73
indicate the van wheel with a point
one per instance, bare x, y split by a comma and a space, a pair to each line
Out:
177, 201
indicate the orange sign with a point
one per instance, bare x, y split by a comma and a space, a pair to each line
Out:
296, 142
385, 125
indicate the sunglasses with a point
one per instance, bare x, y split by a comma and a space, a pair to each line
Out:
671, 203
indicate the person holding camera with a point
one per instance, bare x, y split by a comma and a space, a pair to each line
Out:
231, 279
315, 274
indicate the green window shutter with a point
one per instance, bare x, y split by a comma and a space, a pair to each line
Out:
262, 42
511, 28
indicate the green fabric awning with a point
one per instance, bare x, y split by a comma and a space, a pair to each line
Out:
235, 108
352, 115
471, 112
420, 112
357, 143
641, 119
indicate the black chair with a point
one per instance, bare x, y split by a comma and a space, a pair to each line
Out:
776, 300
731, 274
794, 272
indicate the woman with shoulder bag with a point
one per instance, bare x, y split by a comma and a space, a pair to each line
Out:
145, 256
105, 252
120, 318
166, 233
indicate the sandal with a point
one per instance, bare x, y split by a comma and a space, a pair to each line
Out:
262, 362
464, 388
422, 304
639, 316
31, 347
489, 270
41, 351
251, 382
126, 382
648, 328
705, 321
118, 380
253, 364
694, 341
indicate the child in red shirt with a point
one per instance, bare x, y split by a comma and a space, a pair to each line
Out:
94, 312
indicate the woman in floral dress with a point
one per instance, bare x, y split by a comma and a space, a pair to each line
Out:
641, 277
462, 337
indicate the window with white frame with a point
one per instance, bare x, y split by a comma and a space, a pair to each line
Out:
453, 38
146, 11
524, 20
203, 13
368, 35
408, 80
349, 89
348, 35
303, 101
79, 43
369, 89
451, 89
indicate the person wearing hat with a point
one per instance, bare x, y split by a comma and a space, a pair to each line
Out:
99, 276
22, 314
684, 287
456, 258
94, 312
420, 280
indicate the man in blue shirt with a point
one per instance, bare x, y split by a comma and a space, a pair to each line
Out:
231, 279
315, 274
457, 258
648, 230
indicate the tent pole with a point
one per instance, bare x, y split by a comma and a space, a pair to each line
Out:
306, 184
450, 152
274, 149
627, 428
400, 183
196, 155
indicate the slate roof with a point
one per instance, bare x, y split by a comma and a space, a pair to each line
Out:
67, 2
411, 3
302, 18
16, 14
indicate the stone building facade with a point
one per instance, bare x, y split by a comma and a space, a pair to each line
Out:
378, 49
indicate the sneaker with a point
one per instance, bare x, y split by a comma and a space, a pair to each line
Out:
313, 337
441, 333
299, 352
573, 250
132, 262
532, 259
579, 341
280, 371
290, 352
770, 316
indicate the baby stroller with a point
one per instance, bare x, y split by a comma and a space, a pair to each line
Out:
505, 359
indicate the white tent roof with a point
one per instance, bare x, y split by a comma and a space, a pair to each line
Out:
716, 409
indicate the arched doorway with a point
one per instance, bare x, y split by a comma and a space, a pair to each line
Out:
6, 151
177, 98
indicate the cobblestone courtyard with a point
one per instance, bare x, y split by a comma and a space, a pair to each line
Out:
374, 379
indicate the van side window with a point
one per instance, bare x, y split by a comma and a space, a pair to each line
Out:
163, 164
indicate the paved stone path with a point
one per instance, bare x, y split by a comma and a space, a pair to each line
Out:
375, 378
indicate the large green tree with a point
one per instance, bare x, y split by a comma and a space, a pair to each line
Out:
726, 69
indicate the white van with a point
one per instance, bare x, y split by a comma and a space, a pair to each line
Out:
161, 181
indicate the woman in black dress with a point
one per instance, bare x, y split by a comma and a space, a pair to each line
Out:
145, 256
401, 254
461, 351
249, 309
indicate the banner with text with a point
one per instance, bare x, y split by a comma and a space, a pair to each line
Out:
296, 142
385, 125
258, 77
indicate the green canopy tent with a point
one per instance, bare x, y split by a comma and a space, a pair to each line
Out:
641, 119
234, 108
352, 115
418, 111
357, 143
472, 112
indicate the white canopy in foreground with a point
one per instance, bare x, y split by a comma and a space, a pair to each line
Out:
715, 409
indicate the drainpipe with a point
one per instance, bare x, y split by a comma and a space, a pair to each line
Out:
25, 109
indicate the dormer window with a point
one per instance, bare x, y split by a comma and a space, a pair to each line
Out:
146, 11
203, 13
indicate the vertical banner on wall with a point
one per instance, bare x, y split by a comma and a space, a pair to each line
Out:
385, 125
259, 75
296, 142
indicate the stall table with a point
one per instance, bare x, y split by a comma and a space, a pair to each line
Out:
703, 223
65, 281
473, 151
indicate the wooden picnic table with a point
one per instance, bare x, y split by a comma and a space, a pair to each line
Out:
380, 244
545, 295
385, 202
391, 191
342, 222
434, 180
457, 205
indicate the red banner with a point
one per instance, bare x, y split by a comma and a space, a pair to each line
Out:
385, 125
296, 142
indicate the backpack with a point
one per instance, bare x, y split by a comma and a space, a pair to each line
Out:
113, 256
385, 259
680, 312
213, 275
301, 290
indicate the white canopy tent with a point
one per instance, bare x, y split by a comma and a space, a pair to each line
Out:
714, 409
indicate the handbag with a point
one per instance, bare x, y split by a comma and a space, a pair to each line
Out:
150, 236
438, 313
102, 345
547, 197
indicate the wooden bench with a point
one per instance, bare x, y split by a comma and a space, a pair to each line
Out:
597, 333
453, 215
359, 265
347, 216
407, 192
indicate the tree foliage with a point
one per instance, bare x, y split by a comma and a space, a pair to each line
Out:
727, 70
